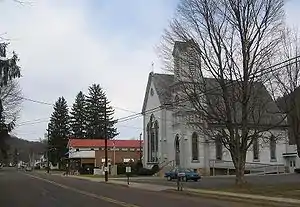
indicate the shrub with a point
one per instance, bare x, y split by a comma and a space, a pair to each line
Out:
121, 168
155, 168
145, 171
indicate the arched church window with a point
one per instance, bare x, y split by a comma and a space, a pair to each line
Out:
152, 135
255, 149
219, 147
177, 150
148, 142
195, 147
273, 147
156, 127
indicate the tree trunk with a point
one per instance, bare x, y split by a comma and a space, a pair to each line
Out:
239, 172
297, 139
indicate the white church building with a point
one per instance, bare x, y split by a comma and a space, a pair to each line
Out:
169, 139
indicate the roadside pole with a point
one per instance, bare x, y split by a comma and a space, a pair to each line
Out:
48, 151
141, 147
105, 134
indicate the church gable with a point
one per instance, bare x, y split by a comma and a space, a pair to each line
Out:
158, 85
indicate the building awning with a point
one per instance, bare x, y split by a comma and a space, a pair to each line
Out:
290, 154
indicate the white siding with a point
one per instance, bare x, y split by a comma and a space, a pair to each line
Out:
264, 153
152, 102
82, 152
170, 136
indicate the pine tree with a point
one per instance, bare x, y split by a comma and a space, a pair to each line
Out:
16, 156
78, 116
59, 131
96, 105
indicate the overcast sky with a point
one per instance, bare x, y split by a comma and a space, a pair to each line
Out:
65, 46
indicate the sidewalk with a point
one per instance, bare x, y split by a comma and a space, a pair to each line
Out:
144, 186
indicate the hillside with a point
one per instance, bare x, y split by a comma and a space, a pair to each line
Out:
24, 148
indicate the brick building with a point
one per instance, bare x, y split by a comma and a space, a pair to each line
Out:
90, 153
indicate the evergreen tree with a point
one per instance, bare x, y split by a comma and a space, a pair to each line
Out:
78, 117
97, 106
16, 156
59, 131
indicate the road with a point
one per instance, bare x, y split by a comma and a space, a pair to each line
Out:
20, 189
223, 182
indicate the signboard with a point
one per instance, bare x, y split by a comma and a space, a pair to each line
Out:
97, 171
105, 169
128, 169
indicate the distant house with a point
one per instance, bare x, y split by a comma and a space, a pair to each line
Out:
40, 161
90, 153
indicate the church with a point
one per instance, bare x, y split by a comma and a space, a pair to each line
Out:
170, 141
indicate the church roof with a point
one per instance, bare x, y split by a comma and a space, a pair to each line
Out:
86, 143
163, 85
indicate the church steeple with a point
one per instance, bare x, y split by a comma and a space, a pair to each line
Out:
186, 60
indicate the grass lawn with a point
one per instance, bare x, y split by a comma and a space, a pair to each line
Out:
291, 190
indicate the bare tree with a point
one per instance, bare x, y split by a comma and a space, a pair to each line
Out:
284, 84
11, 96
230, 42
9, 70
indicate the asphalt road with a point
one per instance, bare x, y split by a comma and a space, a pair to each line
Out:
223, 182
20, 189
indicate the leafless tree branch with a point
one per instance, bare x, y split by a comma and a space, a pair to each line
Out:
221, 51
11, 96
285, 83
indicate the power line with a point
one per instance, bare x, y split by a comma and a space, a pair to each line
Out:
50, 104
137, 115
128, 126
29, 121
34, 101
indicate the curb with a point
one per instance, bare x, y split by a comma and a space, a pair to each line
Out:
99, 181
117, 184
266, 201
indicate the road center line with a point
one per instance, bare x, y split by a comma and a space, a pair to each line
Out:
107, 199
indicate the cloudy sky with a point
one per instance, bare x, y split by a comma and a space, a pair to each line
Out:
65, 46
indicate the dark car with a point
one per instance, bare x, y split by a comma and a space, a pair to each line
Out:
187, 174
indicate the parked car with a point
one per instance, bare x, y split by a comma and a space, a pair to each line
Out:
28, 168
187, 174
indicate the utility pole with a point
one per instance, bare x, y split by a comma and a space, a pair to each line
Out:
105, 134
48, 151
140, 147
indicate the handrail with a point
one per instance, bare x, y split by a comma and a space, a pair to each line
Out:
252, 166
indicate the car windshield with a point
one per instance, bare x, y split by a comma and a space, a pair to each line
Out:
182, 170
